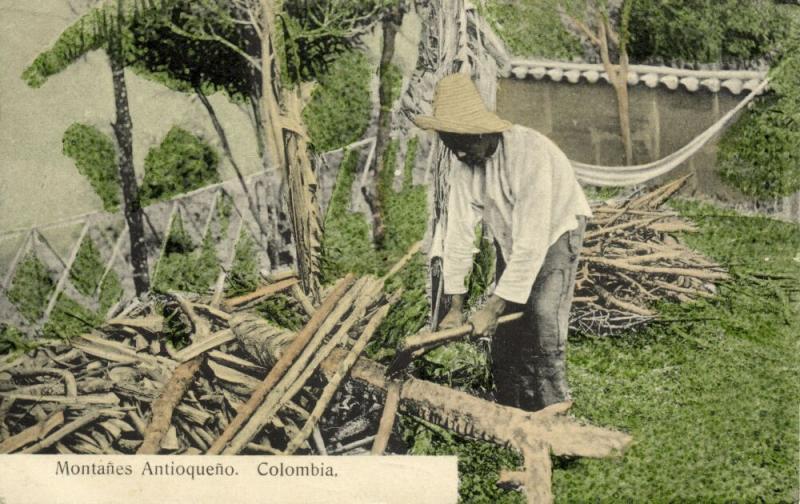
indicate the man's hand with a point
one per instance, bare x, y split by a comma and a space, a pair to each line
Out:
484, 321
455, 316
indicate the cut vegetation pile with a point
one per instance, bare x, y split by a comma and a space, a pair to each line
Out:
631, 259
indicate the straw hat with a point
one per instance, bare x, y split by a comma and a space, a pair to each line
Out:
458, 108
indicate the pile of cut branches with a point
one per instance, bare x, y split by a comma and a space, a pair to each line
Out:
240, 383
631, 259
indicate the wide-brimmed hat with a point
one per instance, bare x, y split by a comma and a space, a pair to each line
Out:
458, 108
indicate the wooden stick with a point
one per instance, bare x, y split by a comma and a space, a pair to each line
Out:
390, 407
32, 433
109, 399
301, 370
619, 227
301, 297
72, 427
215, 340
262, 292
426, 339
283, 364
696, 273
165, 404
333, 384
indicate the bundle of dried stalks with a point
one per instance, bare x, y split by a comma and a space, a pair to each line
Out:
631, 259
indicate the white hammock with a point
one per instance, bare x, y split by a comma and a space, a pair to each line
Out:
637, 174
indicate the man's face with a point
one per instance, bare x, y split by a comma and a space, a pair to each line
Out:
471, 149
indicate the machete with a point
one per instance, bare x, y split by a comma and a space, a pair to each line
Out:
416, 345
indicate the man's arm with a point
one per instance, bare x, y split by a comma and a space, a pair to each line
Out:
531, 177
463, 216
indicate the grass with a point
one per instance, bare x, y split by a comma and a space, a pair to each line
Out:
711, 399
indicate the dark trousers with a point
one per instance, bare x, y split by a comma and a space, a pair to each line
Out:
529, 355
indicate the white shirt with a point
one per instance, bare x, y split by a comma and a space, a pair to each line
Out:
526, 194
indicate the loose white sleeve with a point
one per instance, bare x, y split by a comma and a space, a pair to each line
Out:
463, 214
531, 175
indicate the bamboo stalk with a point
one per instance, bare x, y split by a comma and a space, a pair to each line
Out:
72, 427
301, 369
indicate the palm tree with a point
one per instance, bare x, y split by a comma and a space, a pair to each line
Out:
106, 28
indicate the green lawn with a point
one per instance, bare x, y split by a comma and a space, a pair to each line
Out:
712, 399
710, 393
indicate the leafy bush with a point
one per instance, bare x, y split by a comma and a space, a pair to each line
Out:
759, 154
707, 32
95, 158
340, 106
184, 266
70, 319
31, 288
243, 276
532, 28
346, 244
12, 340
87, 269
182, 163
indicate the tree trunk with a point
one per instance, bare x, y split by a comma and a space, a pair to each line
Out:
266, 237
287, 138
618, 75
123, 128
303, 203
372, 191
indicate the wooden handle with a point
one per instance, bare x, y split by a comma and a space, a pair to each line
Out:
426, 340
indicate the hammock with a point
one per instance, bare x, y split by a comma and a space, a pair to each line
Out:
637, 174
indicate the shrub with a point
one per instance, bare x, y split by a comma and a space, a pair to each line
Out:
759, 154
182, 163
31, 288
87, 269
95, 158
184, 266
340, 106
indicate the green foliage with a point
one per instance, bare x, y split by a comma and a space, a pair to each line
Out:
12, 341
340, 106
95, 158
110, 291
315, 33
705, 395
69, 319
532, 28
31, 288
184, 266
106, 27
402, 210
283, 311
758, 155
243, 276
479, 463
346, 244
705, 31
391, 84
87, 269
182, 163
189, 64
